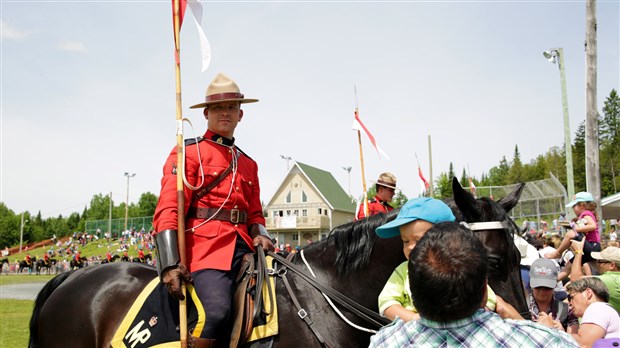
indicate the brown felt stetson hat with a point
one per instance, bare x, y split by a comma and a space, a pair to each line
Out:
387, 179
223, 89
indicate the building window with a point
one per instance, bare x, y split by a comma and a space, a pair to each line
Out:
288, 213
295, 237
320, 211
288, 197
304, 197
296, 212
304, 212
325, 211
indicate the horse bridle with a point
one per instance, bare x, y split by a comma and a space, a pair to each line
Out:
494, 260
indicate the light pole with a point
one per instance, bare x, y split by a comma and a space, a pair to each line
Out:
127, 200
552, 55
348, 169
287, 158
21, 233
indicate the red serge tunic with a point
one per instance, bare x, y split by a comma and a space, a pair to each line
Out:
210, 245
375, 206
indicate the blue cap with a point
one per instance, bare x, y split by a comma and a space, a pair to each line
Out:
581, 197
422, 208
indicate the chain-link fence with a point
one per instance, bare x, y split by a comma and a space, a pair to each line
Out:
540, 200
116, 226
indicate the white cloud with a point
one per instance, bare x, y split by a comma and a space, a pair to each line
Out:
72, 46
9, 32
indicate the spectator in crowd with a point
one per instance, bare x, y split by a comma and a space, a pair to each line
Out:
544, 283
613, 236
585, 227
448, 272
609, 265
386, 188
588, 297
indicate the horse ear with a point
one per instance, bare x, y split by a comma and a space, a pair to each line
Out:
465, 201
508, 202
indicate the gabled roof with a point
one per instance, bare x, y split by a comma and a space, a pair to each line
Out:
325, 185
610, 206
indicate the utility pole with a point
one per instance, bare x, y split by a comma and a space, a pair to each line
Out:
593, 174
21, 234
110, 218
129, 176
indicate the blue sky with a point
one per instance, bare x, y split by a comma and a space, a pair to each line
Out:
88, 93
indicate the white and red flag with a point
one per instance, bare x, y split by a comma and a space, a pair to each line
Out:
424, 185
205, 46
358, 125
472, 187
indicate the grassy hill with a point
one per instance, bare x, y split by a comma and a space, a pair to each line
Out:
95, 249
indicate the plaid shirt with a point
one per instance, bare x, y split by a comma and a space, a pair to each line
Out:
482, 329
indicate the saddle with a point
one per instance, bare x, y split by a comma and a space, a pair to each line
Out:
254, 305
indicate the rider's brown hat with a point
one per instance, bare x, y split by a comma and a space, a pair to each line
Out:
223, 89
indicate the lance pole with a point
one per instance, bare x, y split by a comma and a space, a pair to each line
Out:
359, 142
180, 170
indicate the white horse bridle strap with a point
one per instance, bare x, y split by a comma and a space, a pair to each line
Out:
481, 226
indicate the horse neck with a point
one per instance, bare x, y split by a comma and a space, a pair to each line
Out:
364, 284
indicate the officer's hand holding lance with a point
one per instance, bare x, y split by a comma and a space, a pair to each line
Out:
172, 278
260, 236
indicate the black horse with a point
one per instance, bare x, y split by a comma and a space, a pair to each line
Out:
114, 258
77, 264
352, 261
147, 257
24, 265
42, 264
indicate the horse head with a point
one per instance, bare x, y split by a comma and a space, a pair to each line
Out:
490, 221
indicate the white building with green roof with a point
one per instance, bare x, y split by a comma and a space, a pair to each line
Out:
307, 205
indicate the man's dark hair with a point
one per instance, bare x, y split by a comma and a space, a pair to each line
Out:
447, 273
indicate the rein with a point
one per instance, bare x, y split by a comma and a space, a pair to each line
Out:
362, 312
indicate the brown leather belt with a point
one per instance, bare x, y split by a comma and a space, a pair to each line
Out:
234, 216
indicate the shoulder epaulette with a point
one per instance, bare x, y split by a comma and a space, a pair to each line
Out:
192, 141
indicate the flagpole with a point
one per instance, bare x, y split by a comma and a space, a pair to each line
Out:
180, 170
359, 141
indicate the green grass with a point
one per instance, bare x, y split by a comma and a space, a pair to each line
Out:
24, 278
96, 248
14, 321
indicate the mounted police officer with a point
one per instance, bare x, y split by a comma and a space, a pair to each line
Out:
224, 218
386, 188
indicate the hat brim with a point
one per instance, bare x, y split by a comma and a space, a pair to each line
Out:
385, 185
597, 255
392, 228
571, 204
240, 100
538, 282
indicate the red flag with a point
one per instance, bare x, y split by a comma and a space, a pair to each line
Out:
205, 46
424, 185
359, 126
180, 14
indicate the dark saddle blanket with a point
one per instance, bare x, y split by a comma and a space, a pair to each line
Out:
153, 319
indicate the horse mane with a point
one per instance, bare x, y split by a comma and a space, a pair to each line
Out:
355, 240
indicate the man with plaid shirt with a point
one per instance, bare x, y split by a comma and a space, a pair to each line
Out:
449, 268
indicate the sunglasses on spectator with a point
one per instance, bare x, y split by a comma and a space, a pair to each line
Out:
603, 261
